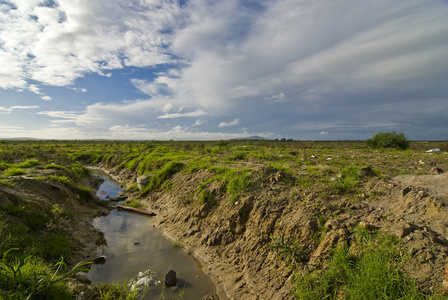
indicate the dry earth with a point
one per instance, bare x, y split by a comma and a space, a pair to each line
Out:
233, 241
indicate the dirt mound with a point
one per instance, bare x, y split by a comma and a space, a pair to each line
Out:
40, 195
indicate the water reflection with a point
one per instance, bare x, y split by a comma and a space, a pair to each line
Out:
133, 245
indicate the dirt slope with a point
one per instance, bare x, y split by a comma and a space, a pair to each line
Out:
233, 241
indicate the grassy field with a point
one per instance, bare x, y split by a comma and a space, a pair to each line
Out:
326, 168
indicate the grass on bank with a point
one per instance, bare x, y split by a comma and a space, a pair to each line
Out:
368, 270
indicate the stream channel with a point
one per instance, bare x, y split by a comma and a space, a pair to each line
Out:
134, 245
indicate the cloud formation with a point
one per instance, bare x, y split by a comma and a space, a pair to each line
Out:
289, 68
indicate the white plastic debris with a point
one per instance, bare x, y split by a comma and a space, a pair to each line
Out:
435, 150
144, 281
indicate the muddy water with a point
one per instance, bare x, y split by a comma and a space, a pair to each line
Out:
134, 245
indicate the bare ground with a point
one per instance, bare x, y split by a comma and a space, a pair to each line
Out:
233, 241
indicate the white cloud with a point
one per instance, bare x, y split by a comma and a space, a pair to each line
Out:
56, 45
196, 113
7, 110
232, 123
198, 123
46, 98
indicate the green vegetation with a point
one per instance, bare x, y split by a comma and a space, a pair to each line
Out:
135, 203
119, 291
27, 277
287, 251
229, 171
389, 140
162, 175
13, 171
368, 270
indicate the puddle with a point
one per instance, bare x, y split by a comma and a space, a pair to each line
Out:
134, 245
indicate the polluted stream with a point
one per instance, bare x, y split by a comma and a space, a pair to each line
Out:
134, 245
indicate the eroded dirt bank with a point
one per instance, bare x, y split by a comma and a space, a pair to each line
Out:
233, 240
41, 196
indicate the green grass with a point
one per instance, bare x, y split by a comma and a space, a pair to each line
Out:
14, 171
162, 175
135, 203
24, 276
370, 270
349, 180
117, 291
61, 179
238, 184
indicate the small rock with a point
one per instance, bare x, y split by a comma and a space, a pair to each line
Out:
436, 171
170, 278
366, 172
406, 190
82, 277
100, 260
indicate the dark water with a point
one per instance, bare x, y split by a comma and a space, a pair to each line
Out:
134, 245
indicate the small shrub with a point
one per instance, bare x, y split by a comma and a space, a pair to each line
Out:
135, 203
29, 163
370, 271
85, 193
117, 291
54, 166
349, 180
389, 140
79, 170
205, 196
14, 172
168, 170
53, 246
238, 186
287, 251
61, 179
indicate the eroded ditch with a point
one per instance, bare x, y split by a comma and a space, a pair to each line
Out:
134, 245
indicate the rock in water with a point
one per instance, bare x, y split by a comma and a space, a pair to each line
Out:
170, 278
100, 260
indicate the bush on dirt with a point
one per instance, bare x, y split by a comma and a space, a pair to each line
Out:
389, 140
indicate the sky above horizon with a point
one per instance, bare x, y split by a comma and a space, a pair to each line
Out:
211, 70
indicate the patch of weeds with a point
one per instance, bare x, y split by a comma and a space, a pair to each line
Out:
79, 170
287, 251
7, 182
177, 244
319, 235
85, 193
205, 196
162, 175
13, 171
52, 245
133, 187
368, 270
238, 185
54, 166
61, 179
28, 164
135, 203
58, 212
349, 180
117, 291
237, 155
304, 181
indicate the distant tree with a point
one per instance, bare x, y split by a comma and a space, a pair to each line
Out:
389, 140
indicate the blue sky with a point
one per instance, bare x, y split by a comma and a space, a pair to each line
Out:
211, 70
